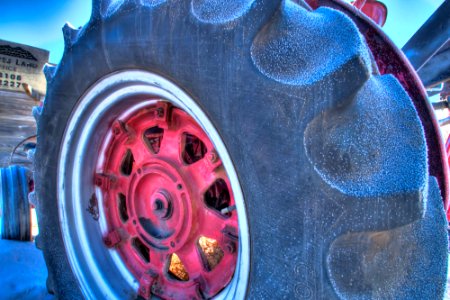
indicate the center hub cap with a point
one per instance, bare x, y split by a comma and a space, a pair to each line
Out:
161, 205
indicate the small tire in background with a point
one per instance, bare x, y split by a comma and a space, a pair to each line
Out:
15, 222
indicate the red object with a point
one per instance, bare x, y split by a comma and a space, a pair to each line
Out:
375, 10
165, 195
145, 286
112, 239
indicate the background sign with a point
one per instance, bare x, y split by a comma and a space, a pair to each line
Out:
21, 64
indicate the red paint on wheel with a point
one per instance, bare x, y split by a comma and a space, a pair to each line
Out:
164, 190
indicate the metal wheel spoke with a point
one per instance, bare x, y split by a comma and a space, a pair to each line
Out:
170, 145
205, 173
140, 151
192, 261
122, 185
157, 260
215, 224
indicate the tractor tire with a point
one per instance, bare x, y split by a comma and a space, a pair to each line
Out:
14, 207
330, 156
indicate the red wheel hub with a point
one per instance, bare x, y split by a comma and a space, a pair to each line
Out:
168, 204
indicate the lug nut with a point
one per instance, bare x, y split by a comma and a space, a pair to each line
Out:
160, 112
212, 156
112, 239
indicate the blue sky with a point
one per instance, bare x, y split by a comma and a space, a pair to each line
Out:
38, 23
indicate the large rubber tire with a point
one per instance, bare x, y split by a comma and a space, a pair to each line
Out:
331, 156
14, 207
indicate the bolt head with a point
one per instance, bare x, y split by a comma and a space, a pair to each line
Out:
212, 156
160, 112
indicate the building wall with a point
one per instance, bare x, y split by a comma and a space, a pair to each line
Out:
20, 68
16, 124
